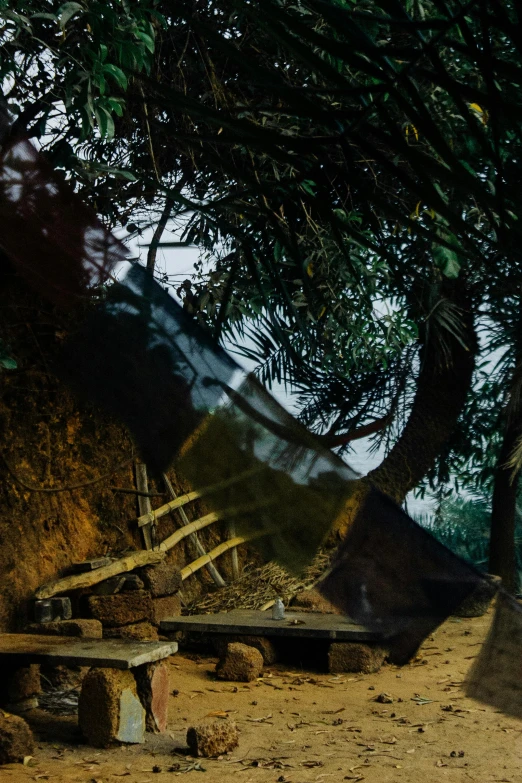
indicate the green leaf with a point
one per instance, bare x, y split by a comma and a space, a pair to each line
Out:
147, 40
67, 12
116, 104
117, 74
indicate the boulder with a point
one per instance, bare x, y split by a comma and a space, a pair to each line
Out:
16, 739
165, 607
162, 579
265, 646
212, 739
152, 680
109, 710
19, 687
141, 632
89, 629
355, 657
122, 608
241, 663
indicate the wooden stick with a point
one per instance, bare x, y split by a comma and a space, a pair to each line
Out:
90, 578
144, 503
193, 538
224, 547
235, 560
131, 491
147, 519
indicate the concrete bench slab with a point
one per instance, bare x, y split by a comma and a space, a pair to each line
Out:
70, 651
254, 622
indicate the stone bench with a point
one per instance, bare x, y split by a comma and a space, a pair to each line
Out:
125, 692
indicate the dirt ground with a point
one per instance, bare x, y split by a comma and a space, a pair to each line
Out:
304, 727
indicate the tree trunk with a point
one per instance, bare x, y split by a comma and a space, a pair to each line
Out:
502, 560
442, 386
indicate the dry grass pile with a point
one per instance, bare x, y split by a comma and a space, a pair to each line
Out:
258, 587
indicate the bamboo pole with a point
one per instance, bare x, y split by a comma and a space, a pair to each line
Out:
193, 538
235, 559
90, 578
144, 505
209, 519
219, 550
182, 500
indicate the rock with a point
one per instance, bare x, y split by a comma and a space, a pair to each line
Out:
19, 687
152, 680
62, 609
109, 709
313, 601
121, 609
109, 586
163, 608
162, 579
16, 739
213, 739
261, 643
384, 698
478, 603
142, 632
240, 664
355, 657
89, 629
43, 611
132, 582
89, 565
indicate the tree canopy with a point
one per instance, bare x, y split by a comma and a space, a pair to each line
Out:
352, 171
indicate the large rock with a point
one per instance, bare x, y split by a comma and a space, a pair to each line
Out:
240, 663
212, 739
109, 710
121, 609
261, 643
162, 579
19, 687
89, 629
479, 601
141, 632
355, 657
163, 608
313, 601
16, 739
153, 684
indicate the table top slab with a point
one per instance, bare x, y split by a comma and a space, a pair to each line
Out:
72, 651
254, 622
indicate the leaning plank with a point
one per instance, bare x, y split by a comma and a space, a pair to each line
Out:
147, 519
193, 538
144, 503
205, 559
209, 519
70, 651
76, 581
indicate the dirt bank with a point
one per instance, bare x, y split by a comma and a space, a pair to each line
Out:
305, 727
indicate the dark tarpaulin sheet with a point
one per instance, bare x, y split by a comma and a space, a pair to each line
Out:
54, 240
390, 573
144, 359
496, 675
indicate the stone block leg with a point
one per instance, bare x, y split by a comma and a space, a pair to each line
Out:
152, 680
109, 709
355, 657
20, 687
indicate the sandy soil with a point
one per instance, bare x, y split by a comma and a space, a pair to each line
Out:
303, 727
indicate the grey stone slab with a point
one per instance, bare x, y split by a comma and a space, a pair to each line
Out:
69, 651
253, 622
131, 728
